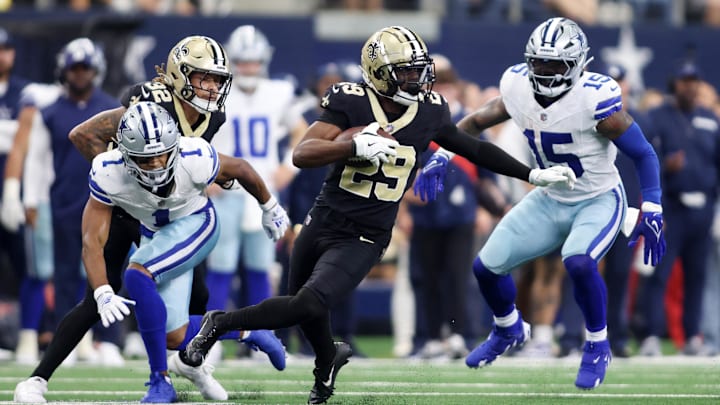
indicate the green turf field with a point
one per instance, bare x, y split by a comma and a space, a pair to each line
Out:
671, 379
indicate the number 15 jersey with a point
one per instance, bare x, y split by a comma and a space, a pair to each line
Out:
564, 133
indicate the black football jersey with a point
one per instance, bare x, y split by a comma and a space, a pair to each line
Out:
367, 194
206, 126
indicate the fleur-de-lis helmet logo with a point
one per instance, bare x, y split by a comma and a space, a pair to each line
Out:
372, 50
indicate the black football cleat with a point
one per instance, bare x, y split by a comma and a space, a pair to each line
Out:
324, 385
200, 345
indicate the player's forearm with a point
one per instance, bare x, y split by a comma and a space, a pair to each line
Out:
92, 136
634, 144
484, 154
247, 177
94, 264
320, 152
16, 157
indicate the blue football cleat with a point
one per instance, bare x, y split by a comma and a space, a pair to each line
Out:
595, 362
500, 341
268, 343
161, 389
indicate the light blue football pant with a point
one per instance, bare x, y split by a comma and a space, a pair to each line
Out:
171, 253
539, 224
258, 251
39, 238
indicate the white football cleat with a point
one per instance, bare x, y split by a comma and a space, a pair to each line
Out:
201, 376
26, 352
110, 355
31, 391
134, 346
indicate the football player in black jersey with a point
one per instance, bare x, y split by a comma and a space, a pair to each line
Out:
348, 228
192, 87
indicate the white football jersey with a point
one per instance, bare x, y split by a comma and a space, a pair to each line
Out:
197, 167
564, 133
255, 124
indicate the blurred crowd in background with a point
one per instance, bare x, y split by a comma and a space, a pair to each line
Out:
423, 293
587, 12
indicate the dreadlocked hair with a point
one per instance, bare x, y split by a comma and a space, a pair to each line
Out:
162, 76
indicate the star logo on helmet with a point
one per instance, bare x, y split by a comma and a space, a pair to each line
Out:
373, 50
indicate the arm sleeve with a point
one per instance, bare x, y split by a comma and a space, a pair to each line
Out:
482, 153
633, 143
38, 169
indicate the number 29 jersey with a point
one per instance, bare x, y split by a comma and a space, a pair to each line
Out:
367, 194
564, 133
206, 126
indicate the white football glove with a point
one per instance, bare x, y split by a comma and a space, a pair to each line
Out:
368, 145
274, 219
12, 214
111, 307
553, 175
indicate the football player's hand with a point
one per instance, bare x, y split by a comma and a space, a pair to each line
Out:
111, 307
368, 145
553, 175
12, 214
650, 228
275, 220
429, 181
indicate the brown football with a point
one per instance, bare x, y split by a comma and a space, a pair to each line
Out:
348, 134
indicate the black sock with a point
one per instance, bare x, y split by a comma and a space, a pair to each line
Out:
68, 334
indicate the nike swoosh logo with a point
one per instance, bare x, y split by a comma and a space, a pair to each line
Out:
329, 380
145, 93
596, 359
613, 88
366, 240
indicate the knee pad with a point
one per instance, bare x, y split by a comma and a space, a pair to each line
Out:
308, 304
481, 272
579, 265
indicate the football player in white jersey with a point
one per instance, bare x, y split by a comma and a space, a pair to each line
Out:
160, 178
259, 115
574, 118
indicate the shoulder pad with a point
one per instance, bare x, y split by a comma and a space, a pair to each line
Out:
106, 176
340, 95
147, 91
601, 94
199, 159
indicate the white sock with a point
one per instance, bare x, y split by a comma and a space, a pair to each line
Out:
507, 320
598, 336
543, 333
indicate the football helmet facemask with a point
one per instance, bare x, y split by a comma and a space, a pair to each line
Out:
205, 56
147, 130
396, 64
85, 51
248, 44
556, 55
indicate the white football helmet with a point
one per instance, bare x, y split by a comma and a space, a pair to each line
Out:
85, 51
556, 55
147, 130
198, 54
248, 44
390, 56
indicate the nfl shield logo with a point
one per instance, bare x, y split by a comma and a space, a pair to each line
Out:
543, 117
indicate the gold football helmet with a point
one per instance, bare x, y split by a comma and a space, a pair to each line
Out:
396, 64
204, 55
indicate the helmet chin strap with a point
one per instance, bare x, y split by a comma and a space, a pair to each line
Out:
196, 103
